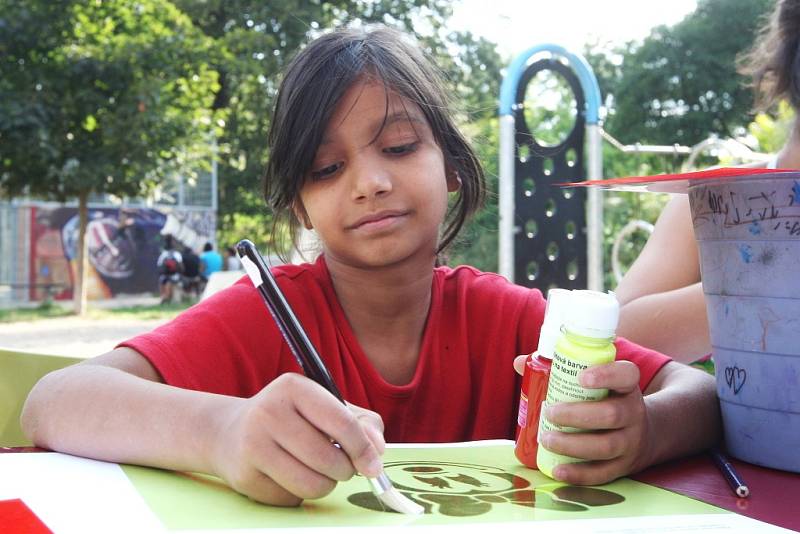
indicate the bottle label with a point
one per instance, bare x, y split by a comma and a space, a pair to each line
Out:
522, 415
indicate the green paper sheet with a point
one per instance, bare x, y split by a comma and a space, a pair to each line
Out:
479, 483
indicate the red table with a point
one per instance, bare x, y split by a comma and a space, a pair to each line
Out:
774, 495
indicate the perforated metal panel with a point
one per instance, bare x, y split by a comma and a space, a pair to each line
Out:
550, 244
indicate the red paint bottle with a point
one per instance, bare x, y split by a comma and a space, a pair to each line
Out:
536, 377
534, 390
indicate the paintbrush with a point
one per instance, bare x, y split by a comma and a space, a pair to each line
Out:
309, 359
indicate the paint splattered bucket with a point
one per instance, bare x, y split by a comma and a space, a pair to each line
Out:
748, 232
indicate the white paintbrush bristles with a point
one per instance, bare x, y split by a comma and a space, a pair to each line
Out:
391, 498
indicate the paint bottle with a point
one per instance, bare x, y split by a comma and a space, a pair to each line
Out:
535, 378
587, 339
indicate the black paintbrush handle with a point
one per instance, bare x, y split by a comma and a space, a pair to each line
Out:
288, 323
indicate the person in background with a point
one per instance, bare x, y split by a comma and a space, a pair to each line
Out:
192, 280
661, 296
210, 261
170, 270
232, 261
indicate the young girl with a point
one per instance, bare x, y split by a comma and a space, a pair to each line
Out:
362, 150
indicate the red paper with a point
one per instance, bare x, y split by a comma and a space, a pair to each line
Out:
673, 183
17, 518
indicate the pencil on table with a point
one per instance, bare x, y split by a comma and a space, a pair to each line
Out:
731, 476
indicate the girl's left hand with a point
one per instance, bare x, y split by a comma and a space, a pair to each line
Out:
618, 441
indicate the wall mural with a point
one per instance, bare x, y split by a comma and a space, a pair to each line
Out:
123, 246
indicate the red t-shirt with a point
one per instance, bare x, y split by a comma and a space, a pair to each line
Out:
464, 387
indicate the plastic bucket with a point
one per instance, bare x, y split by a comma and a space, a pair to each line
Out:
748, 232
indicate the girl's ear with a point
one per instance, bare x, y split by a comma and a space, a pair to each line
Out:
301, 214
453, 180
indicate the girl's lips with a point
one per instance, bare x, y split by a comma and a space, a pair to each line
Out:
378, 221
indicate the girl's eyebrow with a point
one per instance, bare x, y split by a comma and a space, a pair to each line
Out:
380, 125
405, 115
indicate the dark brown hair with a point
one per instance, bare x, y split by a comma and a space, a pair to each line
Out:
312, 86
773, 63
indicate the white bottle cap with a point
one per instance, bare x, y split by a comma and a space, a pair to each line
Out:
592, 314
558, 303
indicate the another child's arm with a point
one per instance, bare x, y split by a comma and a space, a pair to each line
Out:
677, 415
661, 292
652, 321
274, 447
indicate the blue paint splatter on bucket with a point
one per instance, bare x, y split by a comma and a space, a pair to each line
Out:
746, 252
754, 228
796, 193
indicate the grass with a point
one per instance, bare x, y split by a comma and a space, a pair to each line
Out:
43, 311
52, 310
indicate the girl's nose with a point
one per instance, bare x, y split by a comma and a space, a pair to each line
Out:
370, 180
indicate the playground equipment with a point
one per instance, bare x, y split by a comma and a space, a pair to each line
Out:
547, 237
553, 237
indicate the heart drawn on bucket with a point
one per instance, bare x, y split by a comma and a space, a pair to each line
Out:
735, 378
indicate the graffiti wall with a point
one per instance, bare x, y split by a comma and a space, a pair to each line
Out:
123, 246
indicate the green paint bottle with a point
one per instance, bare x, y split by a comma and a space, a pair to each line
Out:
587, 339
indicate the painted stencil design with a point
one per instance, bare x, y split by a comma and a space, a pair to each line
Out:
466, 490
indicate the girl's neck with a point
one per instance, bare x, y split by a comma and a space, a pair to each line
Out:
387, 310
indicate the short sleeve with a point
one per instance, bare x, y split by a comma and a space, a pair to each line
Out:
647, 360
211, 346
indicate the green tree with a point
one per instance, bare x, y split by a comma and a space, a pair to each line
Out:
680, 84
100, 97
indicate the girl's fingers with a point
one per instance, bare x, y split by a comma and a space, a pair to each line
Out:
335, 420
619, 376
372, 424
588, 446
377, 438
519, 363
289, 474
259, 487
609, 414
590, 473
313, 448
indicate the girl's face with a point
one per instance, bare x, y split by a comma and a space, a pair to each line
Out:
377, 190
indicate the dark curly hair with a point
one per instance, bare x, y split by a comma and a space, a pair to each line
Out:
314, 82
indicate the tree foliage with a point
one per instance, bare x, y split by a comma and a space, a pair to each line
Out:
680, 84
100, 97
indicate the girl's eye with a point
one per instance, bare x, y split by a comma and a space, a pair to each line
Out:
401, 149
324, 172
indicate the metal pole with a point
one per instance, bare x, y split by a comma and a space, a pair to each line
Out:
506, 198
594, 210
214, 197
214, 178
180, 191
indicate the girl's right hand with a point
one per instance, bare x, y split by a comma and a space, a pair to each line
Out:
277, 448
